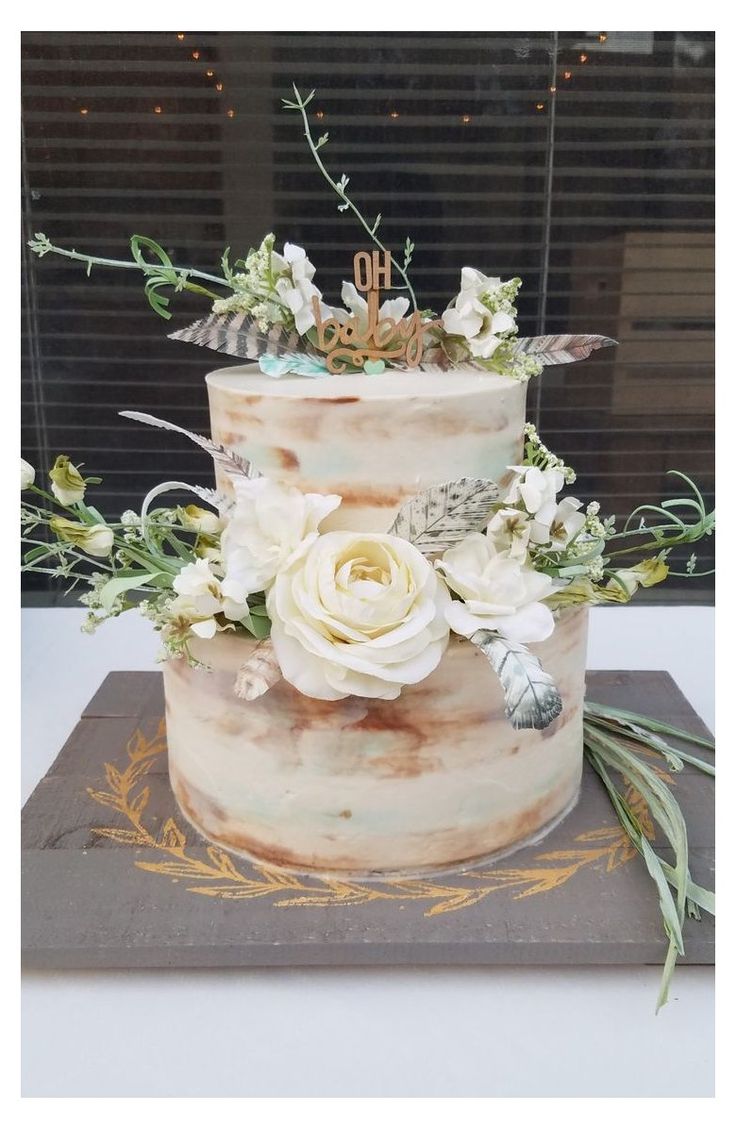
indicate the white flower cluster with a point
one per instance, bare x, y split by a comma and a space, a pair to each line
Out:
482, 313
274, 288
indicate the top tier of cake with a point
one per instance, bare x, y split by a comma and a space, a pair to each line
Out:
376, 440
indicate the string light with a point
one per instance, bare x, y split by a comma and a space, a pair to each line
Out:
180, 35
567, 75
84, 110
320, 114
583, 58
393, 114
219, 87
195, 54
553, 89
158, 109
603, 36
466, 119
539, 106
210, 74
231, 113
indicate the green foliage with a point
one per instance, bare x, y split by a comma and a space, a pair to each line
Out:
616, 741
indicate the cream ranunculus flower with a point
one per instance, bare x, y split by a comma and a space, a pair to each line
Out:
269, 523
358, 613
500, 592
97, 540
67, 484
27, 475
470, 317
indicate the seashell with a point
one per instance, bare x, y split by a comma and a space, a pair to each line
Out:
259, 673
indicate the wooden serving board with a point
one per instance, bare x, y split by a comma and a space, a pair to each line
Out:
114, 877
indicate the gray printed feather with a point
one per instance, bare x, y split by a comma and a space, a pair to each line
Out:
227, 460
562, 348
443, 515
532, 699
238, 335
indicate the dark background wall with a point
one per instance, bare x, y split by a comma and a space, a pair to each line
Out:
582, 161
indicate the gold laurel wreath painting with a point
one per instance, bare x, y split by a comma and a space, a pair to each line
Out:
223, 877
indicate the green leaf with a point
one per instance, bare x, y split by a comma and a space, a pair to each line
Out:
119, 585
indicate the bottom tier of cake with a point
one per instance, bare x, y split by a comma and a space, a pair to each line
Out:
434, 779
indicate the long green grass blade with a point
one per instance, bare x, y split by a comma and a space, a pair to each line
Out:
615, 741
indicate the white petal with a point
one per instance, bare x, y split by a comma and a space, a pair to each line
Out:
205, 628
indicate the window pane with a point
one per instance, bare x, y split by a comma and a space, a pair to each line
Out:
581, 161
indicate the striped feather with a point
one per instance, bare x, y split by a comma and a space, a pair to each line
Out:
227, 460
563, 348
238, 335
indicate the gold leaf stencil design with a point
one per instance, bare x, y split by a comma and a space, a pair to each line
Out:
222, 876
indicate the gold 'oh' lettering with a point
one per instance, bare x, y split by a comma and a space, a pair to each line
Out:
357, 339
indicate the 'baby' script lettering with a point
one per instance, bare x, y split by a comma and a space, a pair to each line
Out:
361, 337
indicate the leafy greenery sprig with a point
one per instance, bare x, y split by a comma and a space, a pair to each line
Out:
159, 274
614, 741
340, 188
670, 532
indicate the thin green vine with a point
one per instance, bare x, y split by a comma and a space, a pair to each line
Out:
340, 188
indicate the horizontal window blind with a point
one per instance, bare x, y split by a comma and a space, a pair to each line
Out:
581, 161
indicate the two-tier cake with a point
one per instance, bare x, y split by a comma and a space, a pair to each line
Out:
434, 777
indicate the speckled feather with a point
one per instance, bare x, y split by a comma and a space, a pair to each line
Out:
532, 699
443, 515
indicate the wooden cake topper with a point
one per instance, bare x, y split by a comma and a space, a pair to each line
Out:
356, 341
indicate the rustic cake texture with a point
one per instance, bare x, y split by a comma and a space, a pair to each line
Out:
375, 440
434, 778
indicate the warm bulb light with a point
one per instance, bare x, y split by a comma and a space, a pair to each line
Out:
210, 74
231, 113
218, 86
466, 118
320, 114
158, 109
583, 58
540, 106
393, 113
553, 89
180, 35
84, 110
567, 75
603, 37
195, 54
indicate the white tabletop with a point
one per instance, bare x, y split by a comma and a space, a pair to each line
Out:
455, 1032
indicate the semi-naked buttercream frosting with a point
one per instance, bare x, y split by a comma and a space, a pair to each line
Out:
435, 778
376, 440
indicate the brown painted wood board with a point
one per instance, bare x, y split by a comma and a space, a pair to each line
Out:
137, 887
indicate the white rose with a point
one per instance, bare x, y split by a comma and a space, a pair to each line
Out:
358, 613
269, 523
469, 317
500, 592
27, 475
